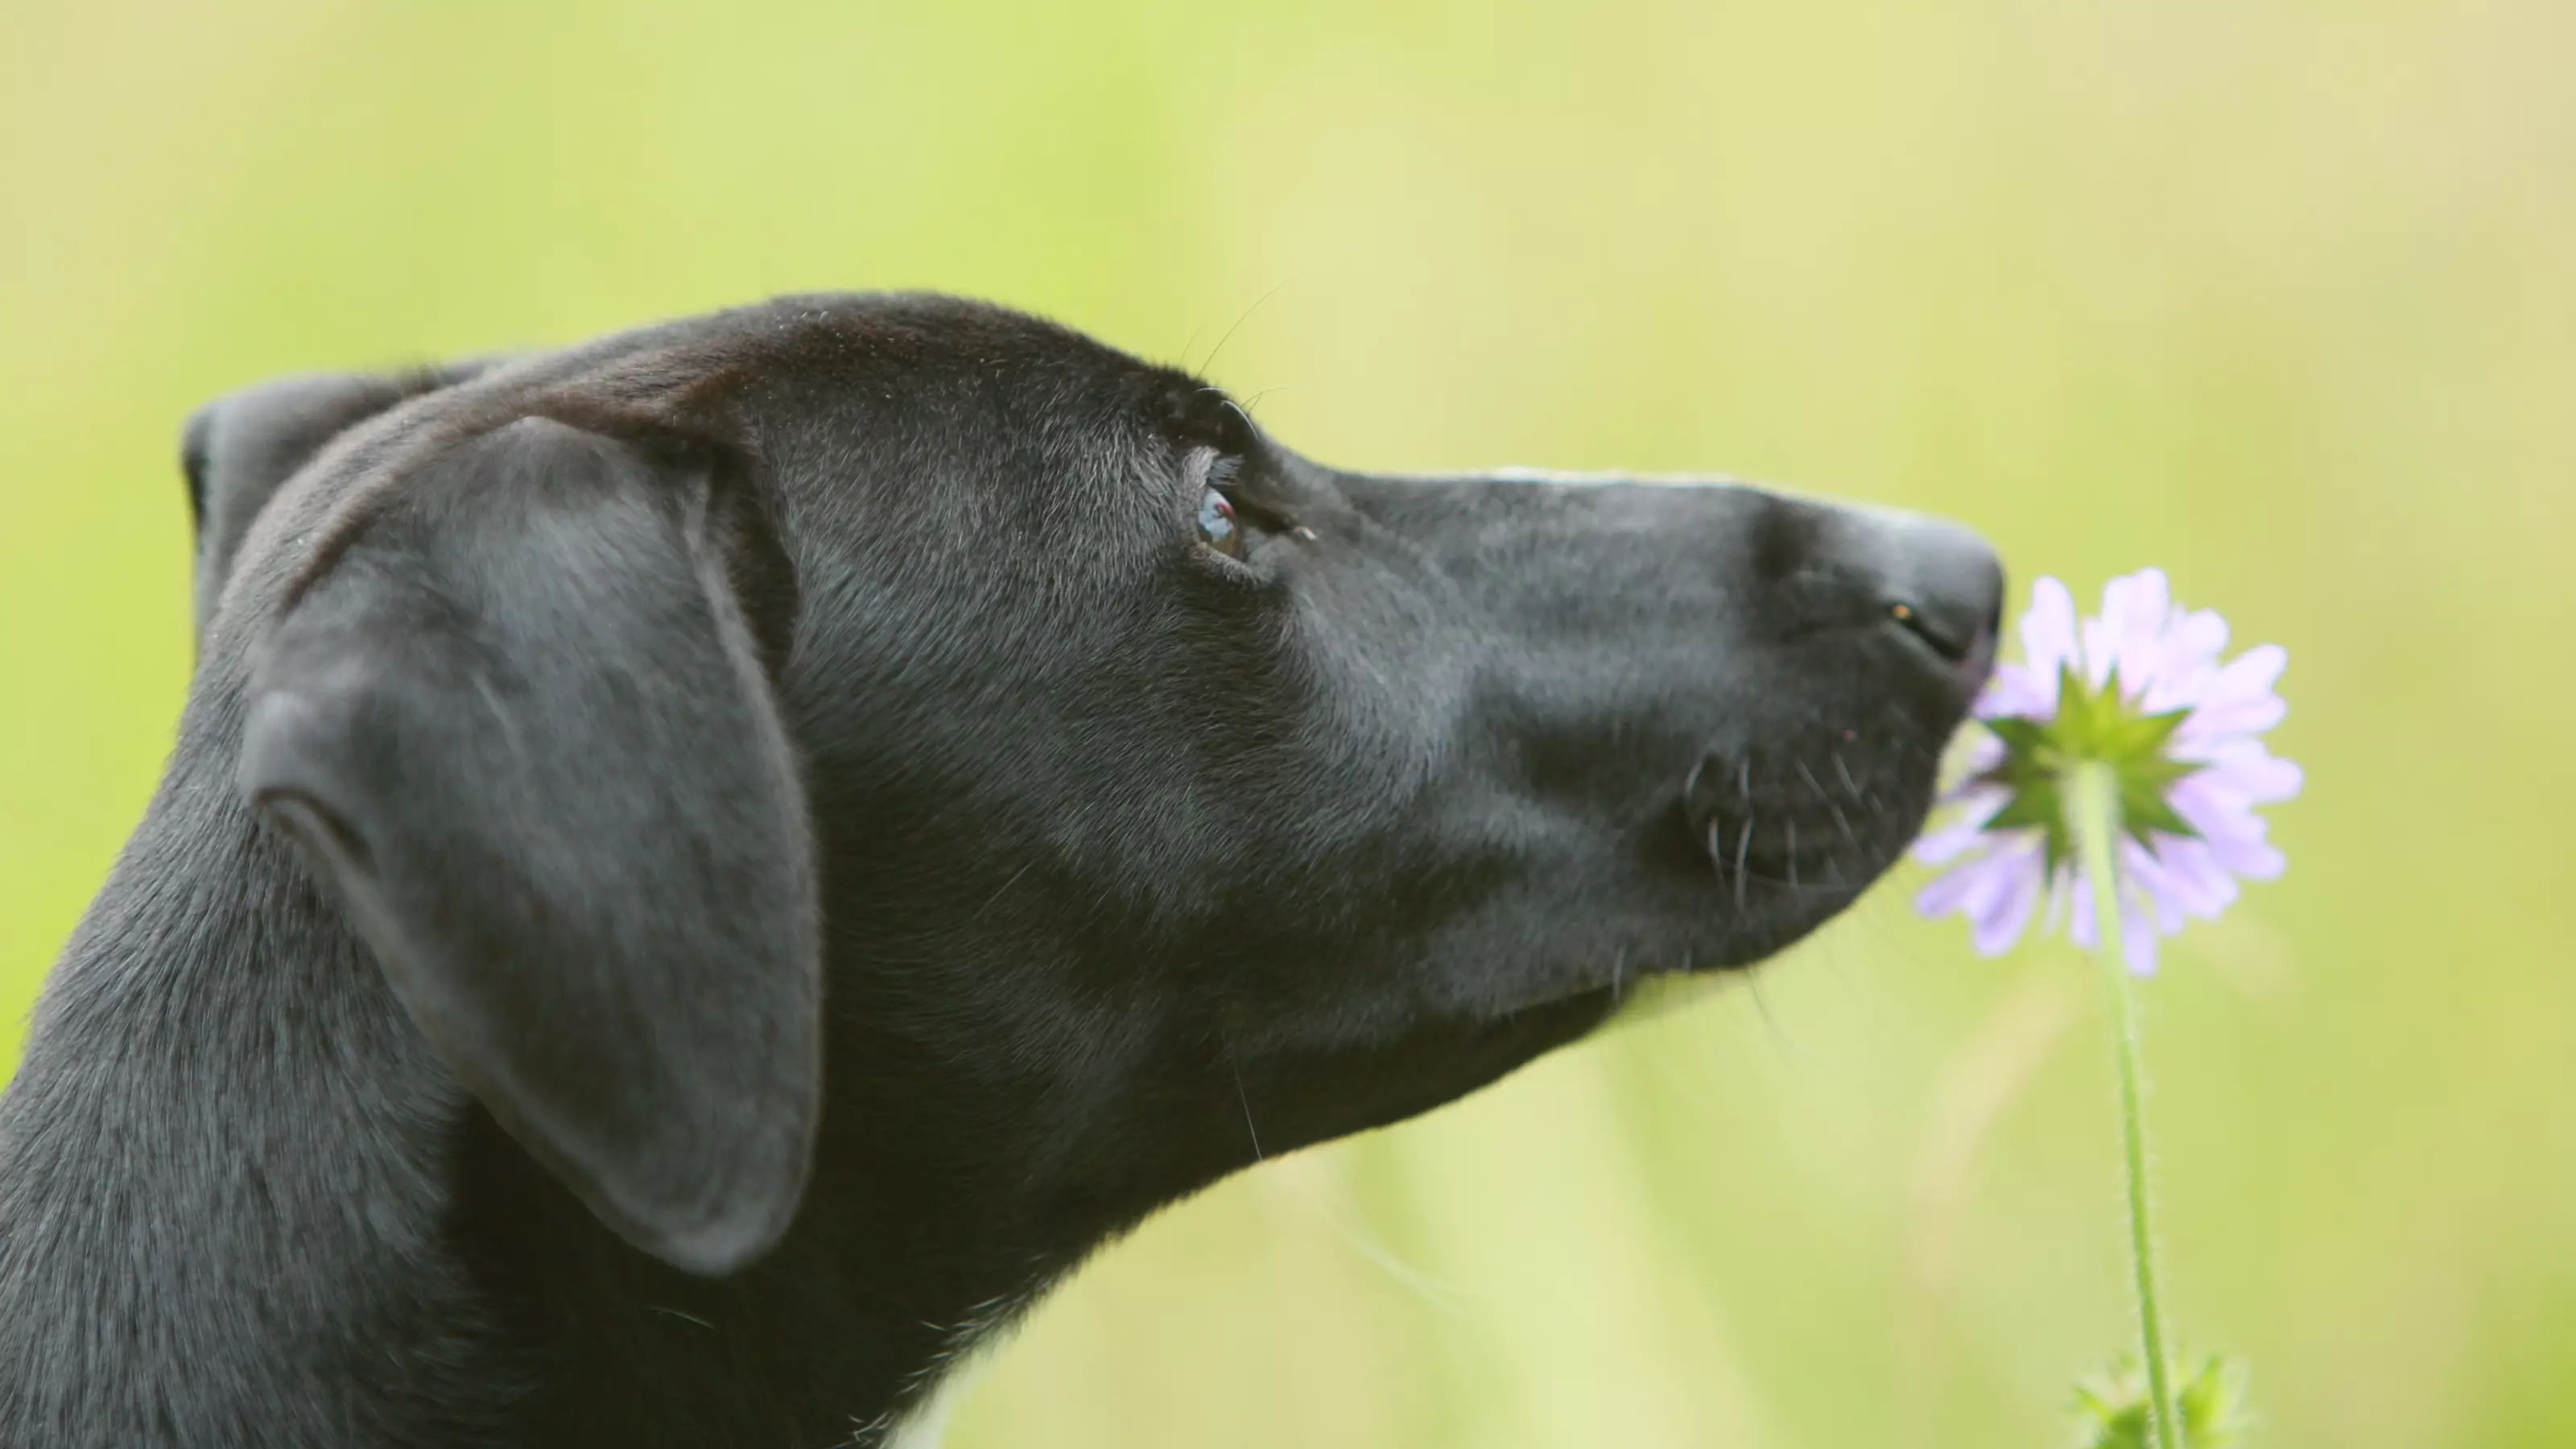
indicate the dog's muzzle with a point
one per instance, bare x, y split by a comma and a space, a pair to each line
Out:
1819, 810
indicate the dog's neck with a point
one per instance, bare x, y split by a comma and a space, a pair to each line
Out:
222, 1167
243, 1202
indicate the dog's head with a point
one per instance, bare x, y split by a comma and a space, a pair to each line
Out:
898, 751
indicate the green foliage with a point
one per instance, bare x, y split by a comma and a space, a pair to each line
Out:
2112, 1408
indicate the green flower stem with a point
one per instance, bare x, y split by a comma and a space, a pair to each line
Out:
2093, 817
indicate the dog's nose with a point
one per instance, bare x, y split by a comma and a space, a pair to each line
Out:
1935, 579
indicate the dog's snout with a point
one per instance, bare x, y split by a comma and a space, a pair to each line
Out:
1944, 582
1936, 579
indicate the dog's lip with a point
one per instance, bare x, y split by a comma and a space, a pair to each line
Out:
1803, 823
1816, 861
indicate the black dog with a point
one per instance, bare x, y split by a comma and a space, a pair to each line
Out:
702, 871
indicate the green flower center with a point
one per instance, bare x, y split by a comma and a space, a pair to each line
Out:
2092, 725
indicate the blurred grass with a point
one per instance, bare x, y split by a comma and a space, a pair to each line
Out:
2279, 297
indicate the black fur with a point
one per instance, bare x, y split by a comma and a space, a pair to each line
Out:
702, 871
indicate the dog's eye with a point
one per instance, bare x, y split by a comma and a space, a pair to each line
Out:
1218, 527
1220, 523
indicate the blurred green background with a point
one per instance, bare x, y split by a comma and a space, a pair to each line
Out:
2282, 297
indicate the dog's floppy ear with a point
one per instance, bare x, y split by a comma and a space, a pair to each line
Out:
522, 721
239, 449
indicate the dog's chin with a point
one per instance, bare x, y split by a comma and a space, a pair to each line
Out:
1787, 838
1731, 902
1435, 1060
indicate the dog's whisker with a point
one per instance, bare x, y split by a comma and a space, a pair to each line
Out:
1843, 823
1350, 1224
1004, 889
1245, 1100
1210, 360
1253, 403
1844, 771
1850, 837
1775, 1028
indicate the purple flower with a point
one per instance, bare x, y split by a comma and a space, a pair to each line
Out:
2140, 687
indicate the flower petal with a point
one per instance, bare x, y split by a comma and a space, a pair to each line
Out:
1997, 922
1951, 891
1969, 828
2017, 692
2231, 830
2243, 771
2239, 699
1979, 753
2061, 883
2190, 875
2148, 881
2137, 925
2201, 635
2185, 662
2048, 637
2133, 619
2254, 859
